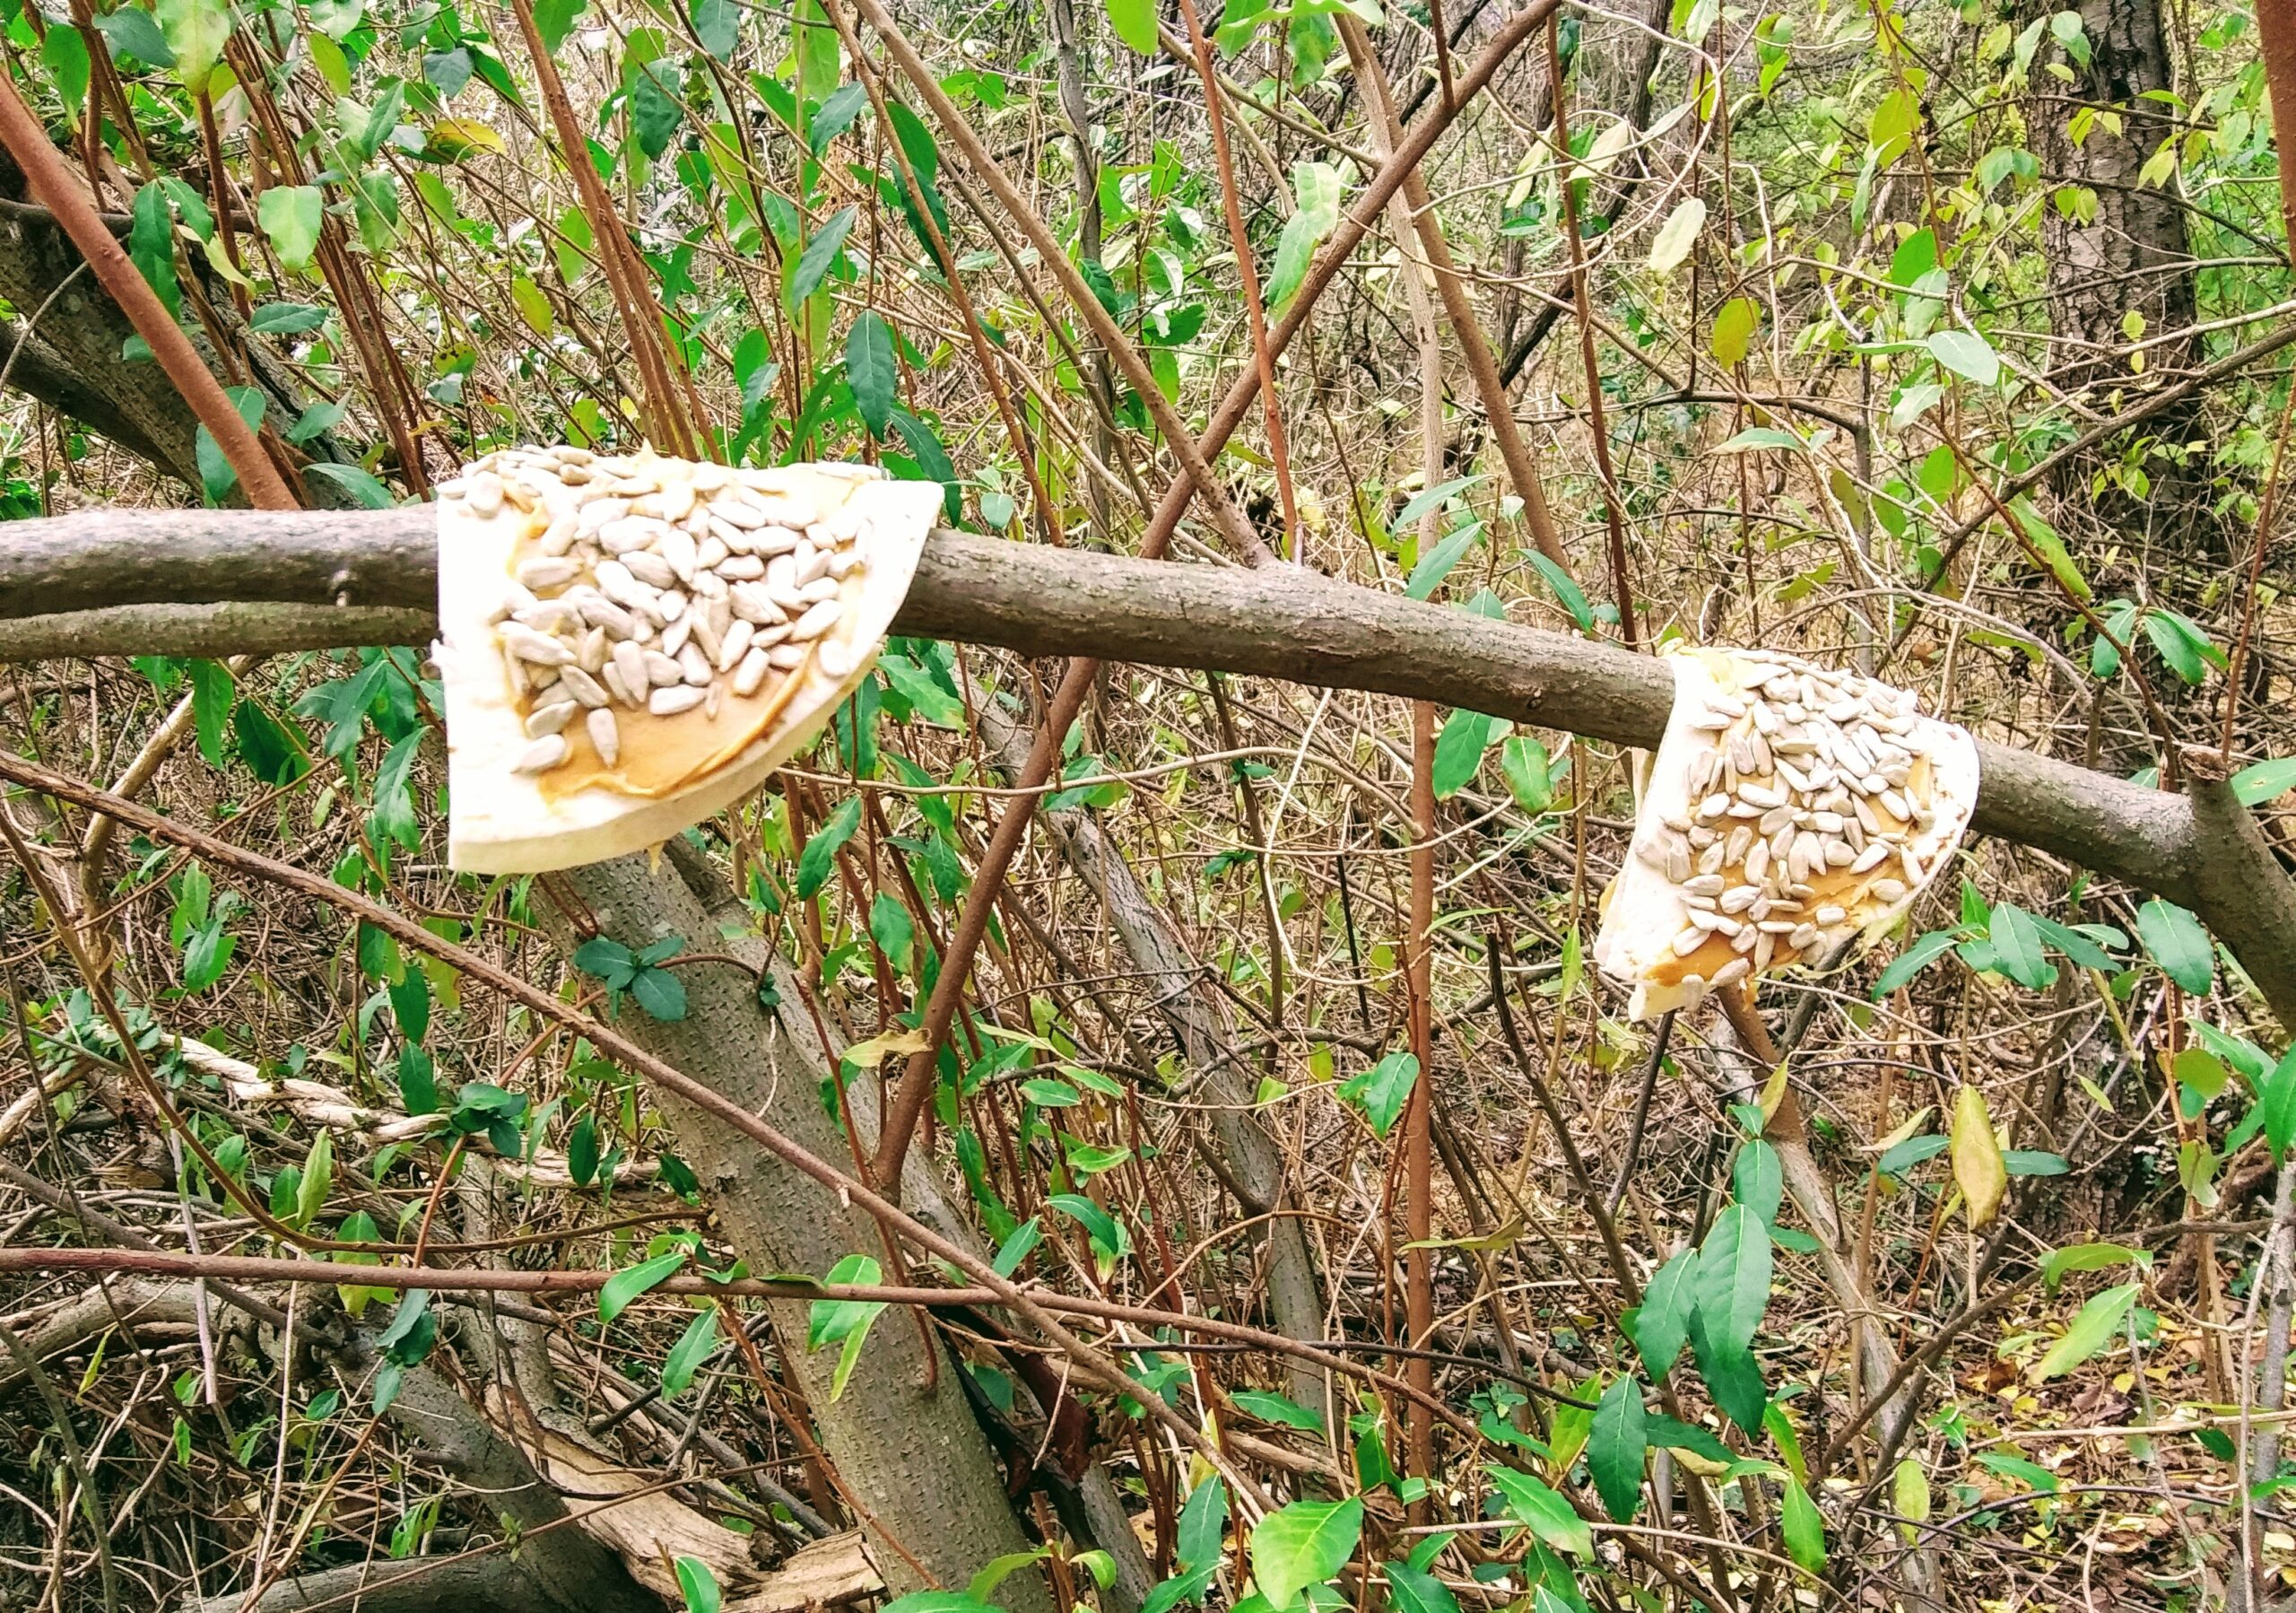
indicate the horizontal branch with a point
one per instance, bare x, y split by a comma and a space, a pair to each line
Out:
204, 581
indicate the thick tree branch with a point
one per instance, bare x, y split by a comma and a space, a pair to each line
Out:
154, 582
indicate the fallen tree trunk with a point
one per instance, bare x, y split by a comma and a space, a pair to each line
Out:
210, 582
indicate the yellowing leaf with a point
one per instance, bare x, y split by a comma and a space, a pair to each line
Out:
1977, 1168
1734, 330
533, 306
869, 1054
455, 138
1677, 235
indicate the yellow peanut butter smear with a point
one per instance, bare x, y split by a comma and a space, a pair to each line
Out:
630, 643
1789, 814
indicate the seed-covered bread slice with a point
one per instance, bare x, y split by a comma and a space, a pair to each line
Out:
1789, 811
629, 644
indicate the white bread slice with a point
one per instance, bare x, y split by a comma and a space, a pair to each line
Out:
502, 821
1647, 939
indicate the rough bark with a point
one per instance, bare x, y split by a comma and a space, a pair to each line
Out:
2132, 256
74, 365
907, 1450
490, 1583
57, 576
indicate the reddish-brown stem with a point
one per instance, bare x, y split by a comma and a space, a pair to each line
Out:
1621, 590
1255, 312
1352, 228
1419, 1270
668, 422
51, 185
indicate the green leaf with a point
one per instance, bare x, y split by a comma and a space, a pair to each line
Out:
1758, 1179
1439, 562
1135, 21
656, 105
2086, 1257
659, 992
2178, 944
625, 1286
1662, 1324
836, 116
2263, 781
1204, 1524
212, 693
134, 31
1523, 761
1616, 1447
813, 262
1755, 439
360, 484
1431, 498
1900, 1159
1967, 354
1914, 959
1380, 1091
196, 32
1458, 750
1416, 1591
845, 1321
2277, 1101
1278, 1409
1301, 1545
1804, 1531
1545, 1513
1573, 597
1734, 1271
582, 1151
1319, 187
699, 1586
1732, 1376
291, 216
287, 318
418, 1086
1107, 1233
2017, 947
691, 1350
818, 860
152, 244
870, 370
64, 53
718, 24
555, 21
318, 1179
2091, 1331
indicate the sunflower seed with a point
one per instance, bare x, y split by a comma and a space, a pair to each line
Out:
750, 673
605, 736
675, 636
835, 659
483, 494
1731, 973
670, 702
695, 666
540, 647
734, 644
618, 685
549, 719
1689, 941
543, 755
1886, 890
585, 688
787, 657
649, 568
819, 620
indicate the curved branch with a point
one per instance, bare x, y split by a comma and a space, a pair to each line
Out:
120, 583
